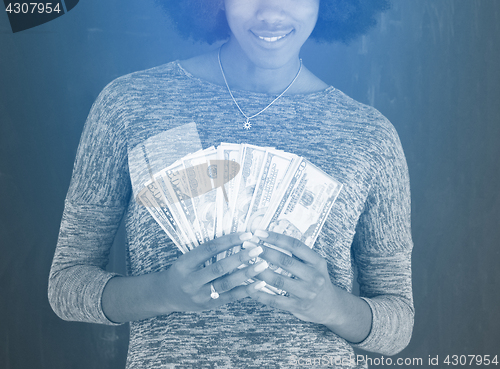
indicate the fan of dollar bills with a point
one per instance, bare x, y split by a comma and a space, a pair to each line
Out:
237, 188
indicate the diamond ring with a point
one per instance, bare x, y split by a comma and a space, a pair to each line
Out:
214, 294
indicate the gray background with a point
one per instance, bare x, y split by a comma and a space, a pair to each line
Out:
431, 66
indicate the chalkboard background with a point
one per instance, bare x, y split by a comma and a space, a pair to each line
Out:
431, 66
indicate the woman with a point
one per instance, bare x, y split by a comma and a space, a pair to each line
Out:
254, 89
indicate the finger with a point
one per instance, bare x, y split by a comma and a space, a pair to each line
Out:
240, 276
227, 265
202, 253
293, 245
293, 265
236, 293
294, 287
254, 290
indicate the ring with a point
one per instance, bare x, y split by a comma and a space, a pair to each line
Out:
214, 294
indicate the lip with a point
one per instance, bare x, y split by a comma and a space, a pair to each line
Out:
272, 37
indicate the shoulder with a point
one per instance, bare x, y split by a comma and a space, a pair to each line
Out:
361, 118
129, 96
145, 80
347, 126
138, 89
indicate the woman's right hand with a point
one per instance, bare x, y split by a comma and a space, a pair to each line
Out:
186, 285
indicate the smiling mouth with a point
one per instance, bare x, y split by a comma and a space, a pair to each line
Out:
273, 38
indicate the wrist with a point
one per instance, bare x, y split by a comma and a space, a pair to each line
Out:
337, 316
133, 298
159, 295
350, 317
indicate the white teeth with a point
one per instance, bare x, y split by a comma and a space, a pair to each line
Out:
271, 39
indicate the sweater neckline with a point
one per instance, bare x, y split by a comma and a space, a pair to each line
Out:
221, 89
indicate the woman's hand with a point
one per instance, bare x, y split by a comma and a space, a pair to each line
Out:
311, 296
186, 285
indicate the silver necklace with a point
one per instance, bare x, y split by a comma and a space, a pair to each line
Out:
247, 124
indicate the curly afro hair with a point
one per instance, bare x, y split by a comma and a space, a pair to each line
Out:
338, 20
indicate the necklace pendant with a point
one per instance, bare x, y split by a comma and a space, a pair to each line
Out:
247, 124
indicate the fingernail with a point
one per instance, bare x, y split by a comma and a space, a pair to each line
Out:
255, 252
261, 234
260, 285
246, 236
255, 239
248, 245
263, 265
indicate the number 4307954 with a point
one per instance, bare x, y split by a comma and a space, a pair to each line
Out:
476, 360
25, 8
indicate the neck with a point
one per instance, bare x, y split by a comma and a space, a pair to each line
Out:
244, 74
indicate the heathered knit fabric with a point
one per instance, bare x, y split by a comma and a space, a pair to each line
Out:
368, 227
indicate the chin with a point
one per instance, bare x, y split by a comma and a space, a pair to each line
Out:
273, 60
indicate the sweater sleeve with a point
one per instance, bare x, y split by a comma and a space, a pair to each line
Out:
97, 198
382, 251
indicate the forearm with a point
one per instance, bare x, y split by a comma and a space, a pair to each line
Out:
77, 276
351, 318
127, 299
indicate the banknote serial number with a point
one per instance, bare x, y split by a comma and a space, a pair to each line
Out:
33, 8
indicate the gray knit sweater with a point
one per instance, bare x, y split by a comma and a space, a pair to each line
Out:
145, 121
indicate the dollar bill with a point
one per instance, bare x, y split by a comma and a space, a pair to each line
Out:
202, 191
275, 170
176, 211
252, 158
304, 205
301, 208
227, 154
151, 198
175, 181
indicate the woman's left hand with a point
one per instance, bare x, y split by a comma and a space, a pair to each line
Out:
311, 295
